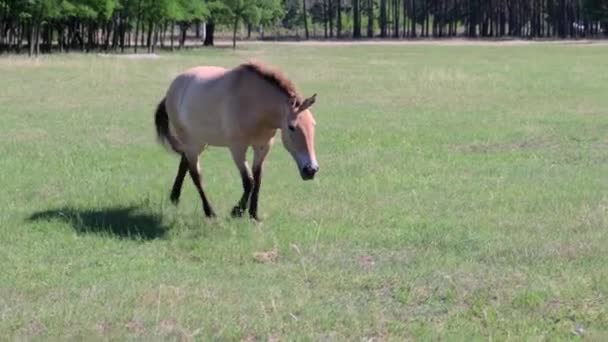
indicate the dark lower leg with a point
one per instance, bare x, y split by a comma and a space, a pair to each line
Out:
179, 180
196, 178
240, 208
257, 181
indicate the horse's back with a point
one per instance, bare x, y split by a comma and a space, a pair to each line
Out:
192, 79
194, 104
204, 72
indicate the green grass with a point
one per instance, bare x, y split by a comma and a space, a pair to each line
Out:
463, 193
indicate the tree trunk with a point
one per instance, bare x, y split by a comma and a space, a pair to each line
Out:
149, 40
389, 15
103, 32
156, 34
46, 37
7, 37
495, 18
117, 32
69, 38
427, 19
503, 22
521, 26
209, 31
404, 28
38, 24
19, 39
339, 20
356, 19
106, 43
21, 35
442, 19
138, 20
383, 18
3, 20
395, 19
413, 16
183, 30
305, 17
172, 34
123, 29
60, 35
236, 24
325, 19
533, 16
331, 18
49, 38
543, 25
370, 18
30, 38
12, 34
472, 19
163, 32
90, 37
564, 20
484, 27
37, 41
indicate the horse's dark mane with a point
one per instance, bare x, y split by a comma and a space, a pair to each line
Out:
274, 77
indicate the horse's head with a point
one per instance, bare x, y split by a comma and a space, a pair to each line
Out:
298, 135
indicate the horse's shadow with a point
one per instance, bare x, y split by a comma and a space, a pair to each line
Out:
121, 222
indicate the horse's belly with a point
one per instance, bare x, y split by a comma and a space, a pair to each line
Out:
202, 122
207, 132
213, 139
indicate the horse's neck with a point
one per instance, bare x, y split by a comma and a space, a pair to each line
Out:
265, 103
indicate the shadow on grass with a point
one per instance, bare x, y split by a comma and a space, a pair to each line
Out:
122, 222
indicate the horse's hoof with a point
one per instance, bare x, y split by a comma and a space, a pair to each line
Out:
210, 213
237, 212
254, 217
174, 199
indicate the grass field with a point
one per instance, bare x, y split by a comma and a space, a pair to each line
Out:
463, 193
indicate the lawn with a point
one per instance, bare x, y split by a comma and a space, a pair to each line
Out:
463, 193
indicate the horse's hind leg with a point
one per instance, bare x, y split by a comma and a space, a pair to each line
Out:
195, 174
179, 180
239, 154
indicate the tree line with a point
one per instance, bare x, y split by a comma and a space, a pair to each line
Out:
468, 18
39, 26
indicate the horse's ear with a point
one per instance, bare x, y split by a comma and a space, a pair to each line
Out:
293, 101
307, 103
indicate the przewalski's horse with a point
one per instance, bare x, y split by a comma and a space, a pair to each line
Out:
236, 108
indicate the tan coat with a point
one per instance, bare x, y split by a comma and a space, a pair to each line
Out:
237, 108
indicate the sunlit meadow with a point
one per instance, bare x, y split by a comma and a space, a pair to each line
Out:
463, 193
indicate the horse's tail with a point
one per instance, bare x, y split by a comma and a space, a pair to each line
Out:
161, 119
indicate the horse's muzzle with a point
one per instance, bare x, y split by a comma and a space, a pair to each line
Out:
308, 172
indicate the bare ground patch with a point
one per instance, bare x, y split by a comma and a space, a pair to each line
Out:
35, 328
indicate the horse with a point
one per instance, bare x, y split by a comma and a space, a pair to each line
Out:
236, 108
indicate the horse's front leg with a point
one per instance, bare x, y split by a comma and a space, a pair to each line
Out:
259, 155
239, 154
